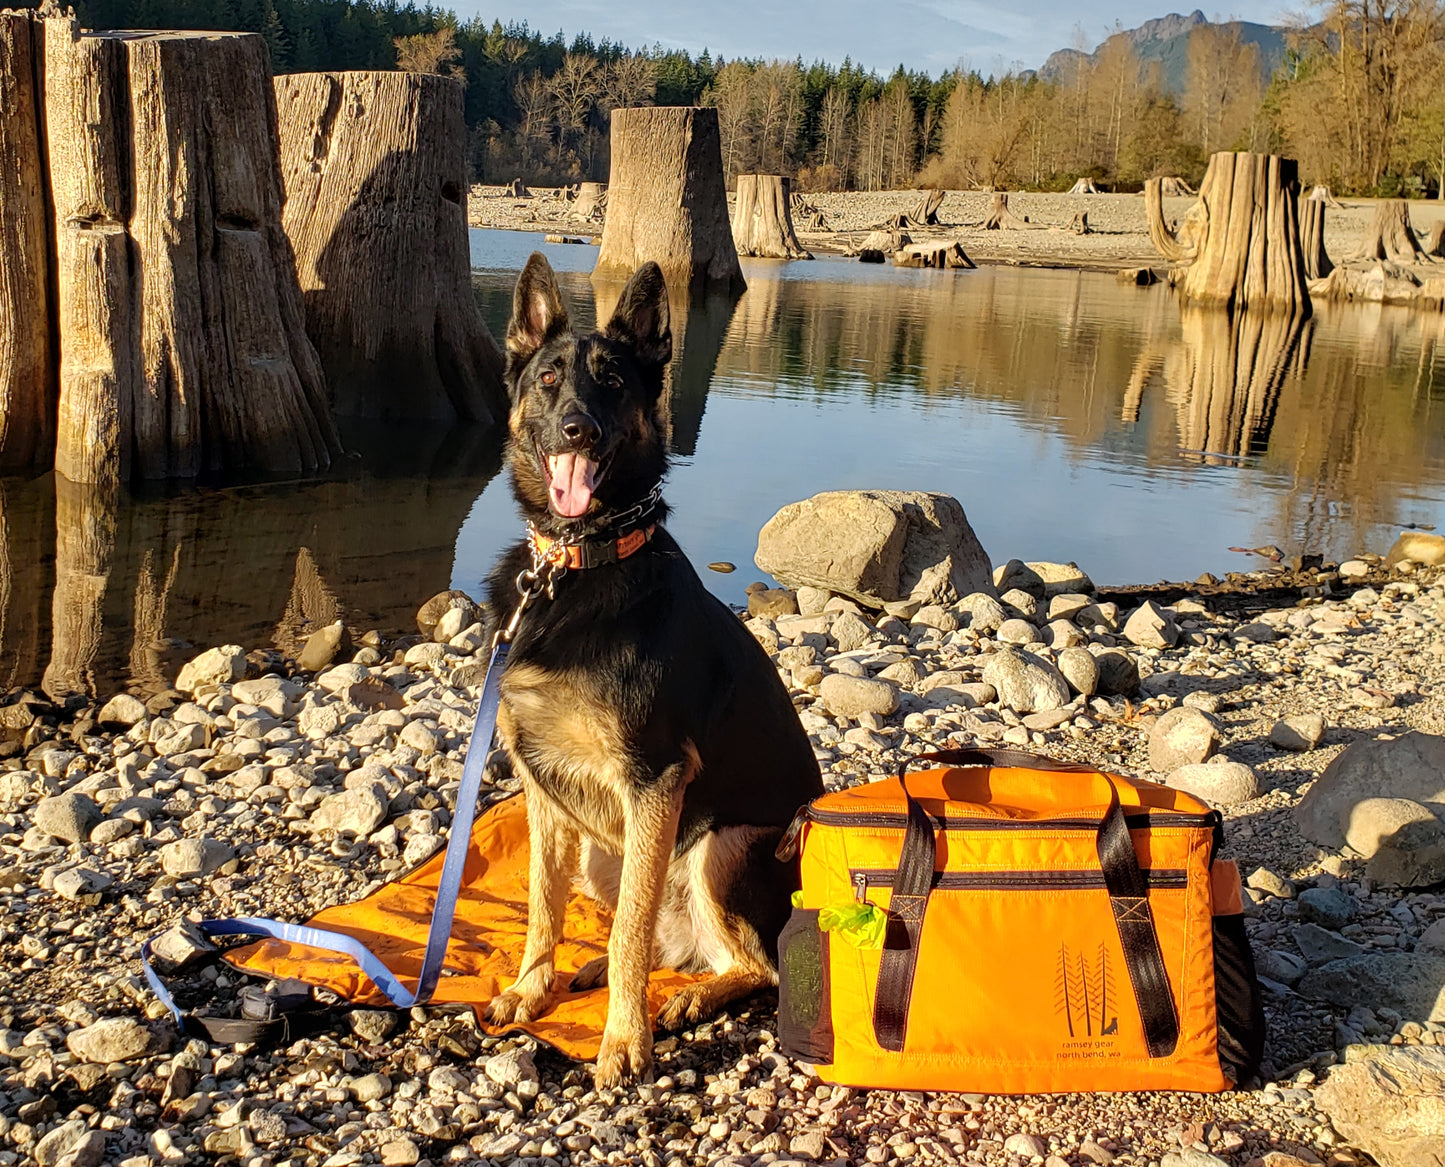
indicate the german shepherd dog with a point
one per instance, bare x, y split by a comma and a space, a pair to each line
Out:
660, 755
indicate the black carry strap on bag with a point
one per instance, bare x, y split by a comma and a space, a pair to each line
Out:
1125, 882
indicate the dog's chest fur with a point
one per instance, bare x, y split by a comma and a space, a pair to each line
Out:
571, 745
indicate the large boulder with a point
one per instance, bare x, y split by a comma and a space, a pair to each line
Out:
877, 547
1410, 766
1411, 983
1417, 547
1026, 683
1391, 1104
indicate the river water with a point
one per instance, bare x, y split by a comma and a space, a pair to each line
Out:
1074, 417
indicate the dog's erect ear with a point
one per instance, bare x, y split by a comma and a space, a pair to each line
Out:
537, 311
641, 318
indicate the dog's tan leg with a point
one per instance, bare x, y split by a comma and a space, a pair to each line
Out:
651, 832
553, 862
739, 961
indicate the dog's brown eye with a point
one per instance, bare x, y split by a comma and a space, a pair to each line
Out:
548, 377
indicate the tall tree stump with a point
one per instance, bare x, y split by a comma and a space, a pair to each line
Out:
1435, 241
1084, 186
376, 211
1246, 236
27, 370
763, 218
1312, 238
591, 202
1174, 243
925, 210
1323, 194
1390, 236
999, 215
182, 345
667, 198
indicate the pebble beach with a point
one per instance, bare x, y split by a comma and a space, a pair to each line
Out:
262, 785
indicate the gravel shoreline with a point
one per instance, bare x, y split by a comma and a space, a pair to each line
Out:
1119, 235
258, 788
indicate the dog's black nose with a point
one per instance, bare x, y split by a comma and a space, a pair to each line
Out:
581, 432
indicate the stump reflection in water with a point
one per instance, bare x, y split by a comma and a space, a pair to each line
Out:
143, 583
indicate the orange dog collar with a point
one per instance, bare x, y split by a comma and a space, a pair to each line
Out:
575, 556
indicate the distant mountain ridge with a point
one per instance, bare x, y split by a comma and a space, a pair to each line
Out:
1166, 40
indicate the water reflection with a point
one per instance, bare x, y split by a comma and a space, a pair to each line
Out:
105, 591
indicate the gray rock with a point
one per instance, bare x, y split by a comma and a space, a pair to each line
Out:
323, 646
1410, 983
852, 696
1410, 766
122, 709
772, 602
511, 1068
1265, 880
373, 1026
1191, 1157
451, 623
1026, 1146
1390, 1104
1432, 940
436, 607
1067, 606
1019, 602
1302, 732
1081, 669
1149, 627
215, 666
89, 1152
935, 616
1024, 682
111, 831
1105, 615
1042, 579
1255, 633
338, 677
73, 1142
1327, 906
1414, 856
422, 737
876, 546
193, 857
1118, 673
812, 600
357, 811
69, 816
1042, 722
986, 614
400, 1153
851, 632
112, 1039
1372, 821
82, 884
1017, 632
1182, 737
1279, 965
1219, 784
1320, 945
1062, 634
182, 943
371, 1087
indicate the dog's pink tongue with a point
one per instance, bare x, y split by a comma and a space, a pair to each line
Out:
573, 477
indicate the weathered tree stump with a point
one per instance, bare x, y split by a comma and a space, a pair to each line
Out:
1390, 236
1435, 241
1000, 217
85, 516
763, 219
517, 189
1244, 236
885, 241
667, 198
376, 211
1084, 186
27, 360
1079, 224
1322, 194
1174, 187
1312, 238
925, 210
182, 346
591, 202
935, 253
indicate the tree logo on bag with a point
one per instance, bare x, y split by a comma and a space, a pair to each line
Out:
1084, 999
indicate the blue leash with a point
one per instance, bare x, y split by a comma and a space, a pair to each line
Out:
478, 749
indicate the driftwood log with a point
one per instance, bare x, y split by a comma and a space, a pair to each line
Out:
182, 344
591, 202
1312, 238
27, 358
1390, 236
763, 218
1000, 217
376, 211
935, 253
1241, 239
667, 198
1084, 186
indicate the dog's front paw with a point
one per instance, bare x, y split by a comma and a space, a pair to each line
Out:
592, 975
515, 1007
687, 1006
623, 1058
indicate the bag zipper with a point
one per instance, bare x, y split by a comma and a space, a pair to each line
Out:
864, 878
899, 821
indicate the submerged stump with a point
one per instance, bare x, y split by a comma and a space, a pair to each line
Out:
667, 198
763, 219
376, 196
27, 371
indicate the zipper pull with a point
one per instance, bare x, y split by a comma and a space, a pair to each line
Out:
860, 886
788, 844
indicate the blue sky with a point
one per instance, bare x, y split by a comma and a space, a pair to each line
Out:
923, 34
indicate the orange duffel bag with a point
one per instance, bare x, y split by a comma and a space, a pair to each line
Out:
1011, 924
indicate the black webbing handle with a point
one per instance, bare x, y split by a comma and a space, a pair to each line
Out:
1125, 882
